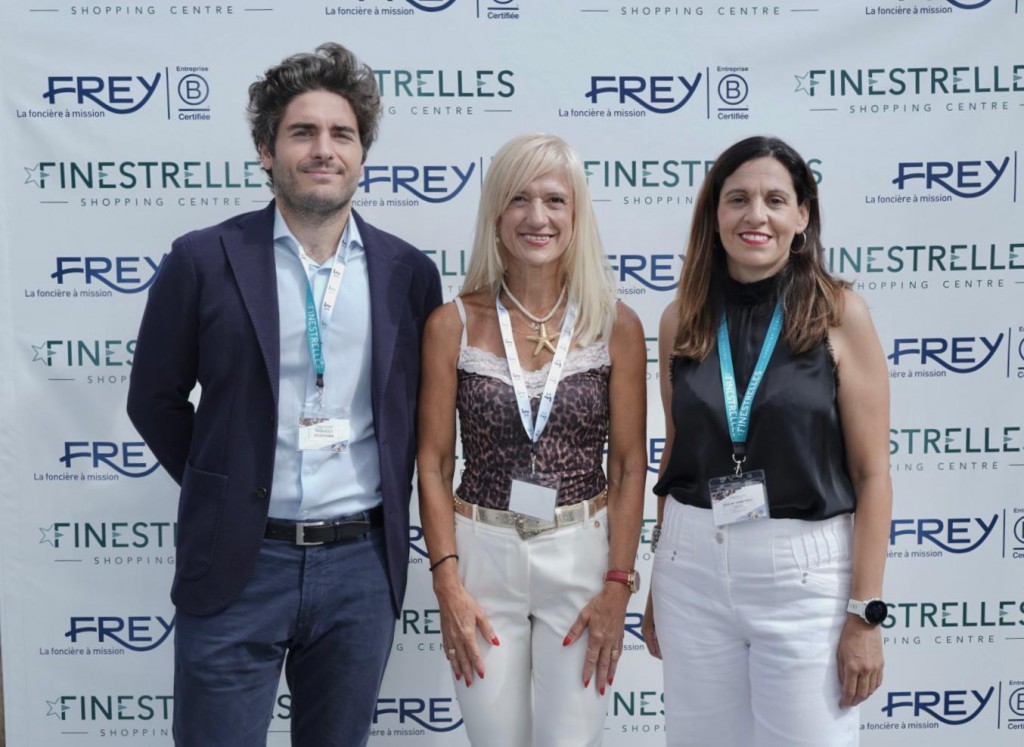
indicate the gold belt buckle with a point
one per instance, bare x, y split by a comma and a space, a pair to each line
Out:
525, 532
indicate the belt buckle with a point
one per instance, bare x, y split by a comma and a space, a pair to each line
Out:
300, 532
526, 533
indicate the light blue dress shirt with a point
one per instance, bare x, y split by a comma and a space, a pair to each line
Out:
315, 485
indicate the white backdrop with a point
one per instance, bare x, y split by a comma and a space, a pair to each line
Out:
123, 126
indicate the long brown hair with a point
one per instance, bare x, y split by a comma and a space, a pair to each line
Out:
812, 299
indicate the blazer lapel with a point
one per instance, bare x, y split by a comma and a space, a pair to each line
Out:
250, 252
389, 281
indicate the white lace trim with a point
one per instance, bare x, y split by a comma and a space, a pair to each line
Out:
485, 363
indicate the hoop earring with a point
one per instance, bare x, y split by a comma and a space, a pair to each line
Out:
793, 248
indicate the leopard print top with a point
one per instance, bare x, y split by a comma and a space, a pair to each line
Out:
494, 442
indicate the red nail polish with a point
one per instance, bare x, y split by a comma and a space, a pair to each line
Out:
480, 675
586, 683
602, 691
611, 681
495, 641
458, 676
567, 641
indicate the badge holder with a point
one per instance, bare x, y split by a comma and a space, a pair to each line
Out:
738, 498
324, 429
532, 499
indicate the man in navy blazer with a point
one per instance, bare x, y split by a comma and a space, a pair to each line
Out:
301, 324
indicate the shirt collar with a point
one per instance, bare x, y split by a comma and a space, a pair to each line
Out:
284, 237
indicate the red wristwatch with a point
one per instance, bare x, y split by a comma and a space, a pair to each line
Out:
629, 578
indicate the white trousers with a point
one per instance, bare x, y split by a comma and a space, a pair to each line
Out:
532, 591
748, 618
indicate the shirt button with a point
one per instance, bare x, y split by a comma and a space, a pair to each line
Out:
719, 538
262, 492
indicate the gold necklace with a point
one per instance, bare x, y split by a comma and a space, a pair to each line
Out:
542, 338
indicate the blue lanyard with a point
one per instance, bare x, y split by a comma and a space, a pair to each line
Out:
316, 347
738, 414
313, 331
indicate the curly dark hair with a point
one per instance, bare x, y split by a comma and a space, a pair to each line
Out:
331, 68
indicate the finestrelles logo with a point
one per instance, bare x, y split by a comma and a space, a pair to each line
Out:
105, 535
125, 714
89, 361
952, 448
427, 92
912, 89
179, 93
144, 174
916, 264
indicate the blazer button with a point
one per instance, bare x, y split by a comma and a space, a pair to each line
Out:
262, 492
271, 418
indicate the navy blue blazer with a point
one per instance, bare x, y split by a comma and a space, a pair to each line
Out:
212, 318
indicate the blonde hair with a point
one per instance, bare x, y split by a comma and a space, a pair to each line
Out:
585, 269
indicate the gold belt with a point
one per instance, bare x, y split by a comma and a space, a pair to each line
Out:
531, 526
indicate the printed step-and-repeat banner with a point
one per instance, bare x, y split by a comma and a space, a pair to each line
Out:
123, 126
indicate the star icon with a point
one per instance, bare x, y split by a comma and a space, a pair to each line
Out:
43, 354
31, 177
46, 539
57, 708
805, 83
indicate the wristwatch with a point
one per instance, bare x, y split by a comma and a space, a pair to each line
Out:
872, 611
629, 578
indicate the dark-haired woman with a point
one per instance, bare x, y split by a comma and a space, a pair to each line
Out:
765, 602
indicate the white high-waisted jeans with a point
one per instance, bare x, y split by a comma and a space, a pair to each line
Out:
532, 591
748, 618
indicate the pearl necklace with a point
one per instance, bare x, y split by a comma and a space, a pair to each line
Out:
542, 338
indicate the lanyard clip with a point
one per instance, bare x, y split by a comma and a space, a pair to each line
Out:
533, 460
739, 464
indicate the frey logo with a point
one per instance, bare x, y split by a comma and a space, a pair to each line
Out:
959, 355
433, 183
136, 633
127, 458
120, 274
658, 94
966, 179
950, 707
117, 94
958, 535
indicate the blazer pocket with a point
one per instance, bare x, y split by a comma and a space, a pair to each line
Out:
200, 511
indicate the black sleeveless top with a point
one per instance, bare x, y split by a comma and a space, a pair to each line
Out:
794, 435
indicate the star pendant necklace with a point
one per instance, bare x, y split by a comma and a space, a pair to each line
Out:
542, 338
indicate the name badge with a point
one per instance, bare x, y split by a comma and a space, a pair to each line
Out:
735, 499
324, 434
533, 497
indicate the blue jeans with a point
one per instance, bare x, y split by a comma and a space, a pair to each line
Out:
323, 611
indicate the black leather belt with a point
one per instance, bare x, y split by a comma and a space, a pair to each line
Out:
325, 532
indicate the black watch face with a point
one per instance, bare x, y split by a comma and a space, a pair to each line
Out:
876, 612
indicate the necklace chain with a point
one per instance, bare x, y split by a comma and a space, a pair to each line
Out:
536, 320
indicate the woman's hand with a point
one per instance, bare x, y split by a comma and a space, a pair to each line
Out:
604, 618
647, 628
860, 661
461, 616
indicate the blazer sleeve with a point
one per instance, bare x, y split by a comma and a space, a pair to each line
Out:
165, 362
